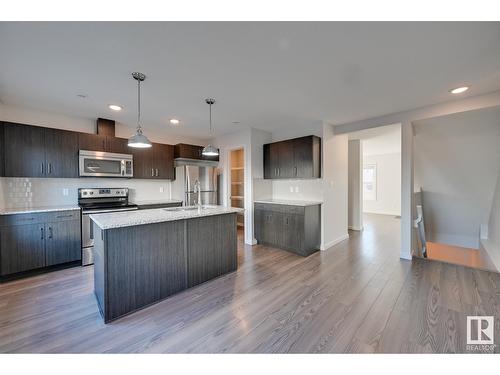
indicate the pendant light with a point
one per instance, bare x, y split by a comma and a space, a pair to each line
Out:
210, 150
139, 140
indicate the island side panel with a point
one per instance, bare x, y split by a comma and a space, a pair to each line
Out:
145, 264
99, 268
212, 247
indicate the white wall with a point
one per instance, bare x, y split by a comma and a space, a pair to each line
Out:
492, 243
355, 185
406, 118
457, 159
388, 200
335, 185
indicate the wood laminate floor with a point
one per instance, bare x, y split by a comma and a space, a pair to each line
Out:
356, 297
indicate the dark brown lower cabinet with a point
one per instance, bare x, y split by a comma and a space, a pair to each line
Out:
22, 248
293, 228
38, 240
62, 244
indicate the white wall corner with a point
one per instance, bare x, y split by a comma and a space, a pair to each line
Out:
334, 242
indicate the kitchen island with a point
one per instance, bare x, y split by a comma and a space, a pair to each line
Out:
144, 256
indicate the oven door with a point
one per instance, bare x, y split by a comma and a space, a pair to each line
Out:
105, 164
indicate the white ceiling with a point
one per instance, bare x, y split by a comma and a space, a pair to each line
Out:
265, 75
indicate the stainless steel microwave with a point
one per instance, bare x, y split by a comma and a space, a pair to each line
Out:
105, 164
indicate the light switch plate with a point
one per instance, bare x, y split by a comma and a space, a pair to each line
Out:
65, 192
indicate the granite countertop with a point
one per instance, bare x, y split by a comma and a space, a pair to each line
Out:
289, 202
157, 215
155, 201
29, 210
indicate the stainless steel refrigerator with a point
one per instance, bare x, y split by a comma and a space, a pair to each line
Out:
185, 179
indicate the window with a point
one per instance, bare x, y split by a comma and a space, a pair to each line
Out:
370, 182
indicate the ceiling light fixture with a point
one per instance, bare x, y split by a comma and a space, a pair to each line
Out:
115, 107
210, 150
139, 140
459, 90
174, 121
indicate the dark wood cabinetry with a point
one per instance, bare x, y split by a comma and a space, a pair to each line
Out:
156, 162
293, 228
32, 241
163, 161
32, 151
293, 158
94, 142
186, 151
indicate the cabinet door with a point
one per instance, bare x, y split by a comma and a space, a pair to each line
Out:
271, 160
21, 248
163, 156
63, 242
183, 150
118, 145
272, 228
24, 151
91, 142
285, 159
303, 158
293, 232
2, 151
61, 153
143, 162
258, 222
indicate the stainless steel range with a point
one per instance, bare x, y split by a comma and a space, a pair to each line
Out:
94, 201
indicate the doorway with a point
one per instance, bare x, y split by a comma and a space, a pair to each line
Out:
374, 181
237, 184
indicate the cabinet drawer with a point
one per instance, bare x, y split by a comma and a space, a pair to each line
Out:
38, 217
297, 210
21, 219
56, 216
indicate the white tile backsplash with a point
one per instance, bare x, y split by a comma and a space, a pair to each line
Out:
289, 189
34, 192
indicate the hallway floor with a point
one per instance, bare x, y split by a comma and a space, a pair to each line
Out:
357, 297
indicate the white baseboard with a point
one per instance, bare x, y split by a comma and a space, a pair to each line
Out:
334, 242
359, 229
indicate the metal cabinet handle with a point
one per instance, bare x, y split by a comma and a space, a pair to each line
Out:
50, 168
152, 172
156, 172
295, 171
63, 216
278, 172
41, 168
41, 233
50, 233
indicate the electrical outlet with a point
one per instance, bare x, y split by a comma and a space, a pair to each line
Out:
162, 189
291, 189
296, 189
65, 192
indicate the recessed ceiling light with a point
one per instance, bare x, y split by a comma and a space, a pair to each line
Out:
83, 96
115, 107
459, 90
174, 121
235, 122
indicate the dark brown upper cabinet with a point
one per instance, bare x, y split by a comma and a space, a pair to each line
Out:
293, 158
186, 151
33, 151
95, 142
156, 162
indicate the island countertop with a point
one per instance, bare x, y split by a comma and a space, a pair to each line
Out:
158, 215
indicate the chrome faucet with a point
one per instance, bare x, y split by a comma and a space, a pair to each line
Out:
197, 189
